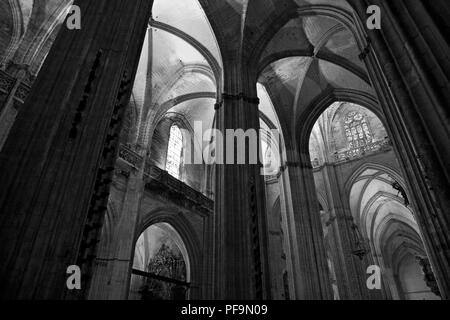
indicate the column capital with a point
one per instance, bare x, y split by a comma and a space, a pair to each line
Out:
236, 97
296, 164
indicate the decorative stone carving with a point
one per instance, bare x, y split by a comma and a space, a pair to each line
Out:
99, 200
6, 82
20, 70
120, 172
126, 154
162, 183
22, 92
397, 186
429, 277
378, 146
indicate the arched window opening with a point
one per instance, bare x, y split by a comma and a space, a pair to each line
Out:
161, 266
357, 131
346, 131
174, 152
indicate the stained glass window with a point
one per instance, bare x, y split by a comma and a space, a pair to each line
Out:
174, 152
357, 131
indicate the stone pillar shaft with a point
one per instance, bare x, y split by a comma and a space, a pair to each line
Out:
68, 129
125, 237
354, 276
241, 268
311, 274
415, 110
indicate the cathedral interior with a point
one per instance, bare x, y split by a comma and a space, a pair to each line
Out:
97, 125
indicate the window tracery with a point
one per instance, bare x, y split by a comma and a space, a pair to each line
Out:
357, 131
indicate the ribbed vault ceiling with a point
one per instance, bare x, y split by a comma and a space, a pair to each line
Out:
188, 16
383, 217
300, 50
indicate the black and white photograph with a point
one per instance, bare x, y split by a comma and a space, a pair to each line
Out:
225, 155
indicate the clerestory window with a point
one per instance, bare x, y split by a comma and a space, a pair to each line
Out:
357, 131
174, 152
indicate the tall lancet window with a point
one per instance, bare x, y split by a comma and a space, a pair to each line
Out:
357, 130
174, 152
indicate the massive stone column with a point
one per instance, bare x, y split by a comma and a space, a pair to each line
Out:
113, 267
353, 270
311, 274
126, 235
408, 64
276, 248
57, 163
341, 240
241, 267
207, 275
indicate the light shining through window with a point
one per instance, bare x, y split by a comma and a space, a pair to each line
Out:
174, 152
357, 131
